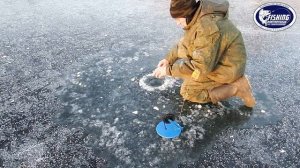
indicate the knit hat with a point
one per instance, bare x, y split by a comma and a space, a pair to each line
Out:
182, 8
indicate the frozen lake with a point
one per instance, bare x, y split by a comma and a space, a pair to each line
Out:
74, 90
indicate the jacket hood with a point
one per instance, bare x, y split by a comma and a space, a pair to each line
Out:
214, 7
219, 7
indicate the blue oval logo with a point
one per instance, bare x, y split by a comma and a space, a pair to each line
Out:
275, 16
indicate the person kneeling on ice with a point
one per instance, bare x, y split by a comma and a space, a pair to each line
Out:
211, 56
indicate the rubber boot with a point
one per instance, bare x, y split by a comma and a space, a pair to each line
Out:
244, 91
240, 88
222, 92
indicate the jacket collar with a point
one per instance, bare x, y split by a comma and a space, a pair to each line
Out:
195, 17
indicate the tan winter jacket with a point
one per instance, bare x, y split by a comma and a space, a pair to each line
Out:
211, 52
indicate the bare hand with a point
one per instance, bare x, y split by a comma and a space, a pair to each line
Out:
163, 63
160, 72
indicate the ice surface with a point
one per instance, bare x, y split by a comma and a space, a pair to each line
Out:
70, 79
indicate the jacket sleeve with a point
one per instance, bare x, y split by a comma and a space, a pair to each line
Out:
204, 58
182, 69
180, 50
172, 56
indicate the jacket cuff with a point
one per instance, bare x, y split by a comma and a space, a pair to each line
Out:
168, 71
169, 60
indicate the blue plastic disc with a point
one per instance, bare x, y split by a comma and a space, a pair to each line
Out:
168, 130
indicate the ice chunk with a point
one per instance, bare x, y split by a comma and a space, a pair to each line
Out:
135, 112
116, 120
136, 58
155, 108
282, 151
136, 121
141, 133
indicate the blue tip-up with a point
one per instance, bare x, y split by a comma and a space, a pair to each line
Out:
168, 130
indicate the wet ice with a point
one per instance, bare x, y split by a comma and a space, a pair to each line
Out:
121, 127
94, 64
154, 82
